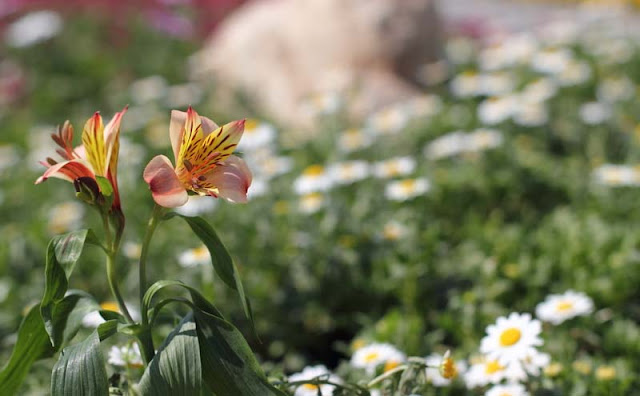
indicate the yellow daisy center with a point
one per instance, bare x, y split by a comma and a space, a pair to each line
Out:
110, 306
371, 356
390, 365
392, 168
408, 186
310, 386
510, 336
200, 252
564, 306
314, 170
506, 394
492, 367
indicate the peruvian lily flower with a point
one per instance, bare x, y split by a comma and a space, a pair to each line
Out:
204, 164
97, 156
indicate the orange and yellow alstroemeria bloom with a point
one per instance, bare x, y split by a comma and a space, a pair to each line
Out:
97, 156
204, 164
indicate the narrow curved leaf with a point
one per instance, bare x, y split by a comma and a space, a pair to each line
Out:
80, 370
32, 344
220, 258
175, 369
62, 254
228, 364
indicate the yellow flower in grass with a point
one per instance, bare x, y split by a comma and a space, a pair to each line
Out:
311, 374
553, 370
512, 339
606, 373
204, 162
402, 190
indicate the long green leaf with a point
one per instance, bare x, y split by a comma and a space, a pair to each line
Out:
32, 344
80, 370
62, 254
228, 364
175, 370
220, 258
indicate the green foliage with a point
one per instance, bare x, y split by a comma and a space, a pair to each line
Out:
80, 370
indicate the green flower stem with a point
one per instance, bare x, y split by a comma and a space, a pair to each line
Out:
151, 228
111, 269
145, 337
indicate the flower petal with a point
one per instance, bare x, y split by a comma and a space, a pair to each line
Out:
93, 141
223, 141
166, 189
232, 179
68, 170
176, 130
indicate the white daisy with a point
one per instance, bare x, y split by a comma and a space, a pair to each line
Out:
433, 373
194, 257
539, 90
373, 355
348, 172
512, 338
466, 84
393, 167
354, 139
33, 28
446, 146
314, 178
530, 114
483, 139
311, 373
593, 113
94, 319
257, 134
197, 205
394, 230
126, 356
489, 371
576, 73
131, 250
322, 104
65, 217
551, 60
272, 166
616, 175
534, 364
557, 308
616, 88
495, 110
507, 390
389, 120
312, 202
497, 84
402, 190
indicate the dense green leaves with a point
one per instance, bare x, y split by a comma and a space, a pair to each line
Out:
175, 370
32, 344
62, 254
80, 370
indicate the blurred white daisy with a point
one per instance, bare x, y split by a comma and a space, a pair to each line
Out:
616, 88
560, 32
389, 120
551, 60
310, 389
373, 355
354, 139
257, 134
531, 114
508, 52
273, 166
487, 371
534, 364
466, 84
512, 338
482, 139
197, 205
433, 374
94, 319
126, 356
446, 145
496, 84
507, 390
314, 178
394, 167
539, 90
593, 113
557, 308
394, 230
131, 250
194, 257
65, 217
33, 28
402, 190
495, 110
183, 95
322, 104
616, 175
148, 89
424, 106
576, 73
311, 203
348, 172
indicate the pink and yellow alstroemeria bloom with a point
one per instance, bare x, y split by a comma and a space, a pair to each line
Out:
204, 163
97, 156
